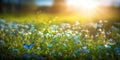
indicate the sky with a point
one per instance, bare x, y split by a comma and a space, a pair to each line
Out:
72, 2
44, 2
102, 2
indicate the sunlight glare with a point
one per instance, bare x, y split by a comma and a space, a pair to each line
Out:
88, 4
84, 4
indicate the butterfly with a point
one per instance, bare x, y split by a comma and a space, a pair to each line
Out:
28, 46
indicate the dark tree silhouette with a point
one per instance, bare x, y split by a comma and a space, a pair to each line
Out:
16, 6
59, 5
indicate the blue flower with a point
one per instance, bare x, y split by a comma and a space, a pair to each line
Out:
2, 25
15, 50
107, 46
60, 43
84, 47
64, 45
32, 28
78, 51
76, 39
15, 26
85, 50
12, 33
50, 46
28, 46
52, 52
100, 47
2, 21
117, 50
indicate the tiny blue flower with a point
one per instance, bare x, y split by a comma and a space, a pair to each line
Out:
60, 43
32, 28
64, 45
107, 46
78, 41
15, 50
78, 51
15, 26
85, 51
84, 47
76, 38
50, 46
117, 50
2, 25
100, 47
2, 21
52, 52
12, 33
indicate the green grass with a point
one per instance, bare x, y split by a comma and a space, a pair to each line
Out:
37, 18
67, 42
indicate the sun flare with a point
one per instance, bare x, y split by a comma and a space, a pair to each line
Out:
88, 4
84, 4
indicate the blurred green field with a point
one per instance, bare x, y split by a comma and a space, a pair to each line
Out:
36, 18
59, 37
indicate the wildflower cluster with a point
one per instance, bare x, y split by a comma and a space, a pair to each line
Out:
65, 41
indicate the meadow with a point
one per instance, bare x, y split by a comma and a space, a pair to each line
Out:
54, 37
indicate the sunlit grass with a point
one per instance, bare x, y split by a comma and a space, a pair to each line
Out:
59, 18
58, 41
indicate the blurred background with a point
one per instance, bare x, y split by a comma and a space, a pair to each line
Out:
80, 9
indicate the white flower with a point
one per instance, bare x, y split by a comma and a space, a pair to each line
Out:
77, 23
103, 32
60, 54
97, 35
38, 48
100, 21
65, 25
26, 26
94, 25
107, 46
84, 47
73, 55
29, 33
2, 29
99, 25
39, 32
86, 35
100, 30
105, 21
